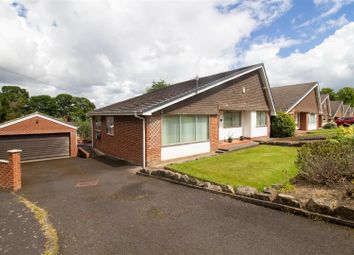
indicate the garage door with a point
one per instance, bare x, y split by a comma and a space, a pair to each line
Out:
36, 146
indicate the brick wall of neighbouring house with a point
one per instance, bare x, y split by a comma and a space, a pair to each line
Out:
10, 171
153, 139
38, 125
127, 141
214, 131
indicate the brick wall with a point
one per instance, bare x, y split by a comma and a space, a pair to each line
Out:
10, 171
214, 131
127, 141
303, 121
153, 139
39, 125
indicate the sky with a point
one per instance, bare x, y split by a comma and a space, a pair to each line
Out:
111, 50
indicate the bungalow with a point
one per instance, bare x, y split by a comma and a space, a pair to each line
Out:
302, 101
337, 110
326, 109
347, 110
187, 118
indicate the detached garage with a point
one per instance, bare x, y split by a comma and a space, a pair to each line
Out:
40, 137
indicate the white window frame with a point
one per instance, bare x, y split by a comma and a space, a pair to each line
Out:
266, 119
233, 119
110, 125
315, 118
180, 128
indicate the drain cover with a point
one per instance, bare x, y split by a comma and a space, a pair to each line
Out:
86, 184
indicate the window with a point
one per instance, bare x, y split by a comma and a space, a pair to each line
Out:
312, 119
110, 125
184, 129
261, 119
98, 122
232, 119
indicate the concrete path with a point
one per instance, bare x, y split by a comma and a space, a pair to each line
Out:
19, 231
100, 207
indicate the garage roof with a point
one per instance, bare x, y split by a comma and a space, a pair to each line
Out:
32, 115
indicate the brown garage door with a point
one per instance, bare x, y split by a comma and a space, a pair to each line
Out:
36, 146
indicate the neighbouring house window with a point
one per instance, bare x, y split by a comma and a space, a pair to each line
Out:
98, 122
261, 119
184, 129
232, 119
110, 125
312, 119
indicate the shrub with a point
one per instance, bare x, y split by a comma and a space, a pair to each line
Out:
326, 162
330, 125
282, 125
84, 131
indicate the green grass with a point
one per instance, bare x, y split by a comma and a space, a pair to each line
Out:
258, 167
329, 133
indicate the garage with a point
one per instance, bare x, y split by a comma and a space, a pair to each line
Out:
40, 137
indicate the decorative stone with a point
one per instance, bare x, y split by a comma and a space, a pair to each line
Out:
145, 171
271, 191
193, 181
314, 205
287, 200
185, 178
228, 188
246, 191
215, 187
344, 212
263, 196
207, 185
176, 176
277, 186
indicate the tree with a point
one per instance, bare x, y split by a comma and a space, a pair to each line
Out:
81, 107
14, 99
346, 95
44, 104
157, 85
332, 94
64, 106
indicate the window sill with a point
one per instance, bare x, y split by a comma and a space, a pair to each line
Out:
187, 143
233, 127
262, 126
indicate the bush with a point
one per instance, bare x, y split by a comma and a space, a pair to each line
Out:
326, 162
84, 131
330, 125
282, 125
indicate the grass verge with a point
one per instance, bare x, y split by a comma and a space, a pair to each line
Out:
51, 246
258, 167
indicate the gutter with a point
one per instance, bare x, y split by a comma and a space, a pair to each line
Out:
144, 138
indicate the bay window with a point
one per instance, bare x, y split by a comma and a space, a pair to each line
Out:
232, 119
261, 119
178, 129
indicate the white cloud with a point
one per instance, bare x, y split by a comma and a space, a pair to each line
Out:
111, 50
330, 63
333, 24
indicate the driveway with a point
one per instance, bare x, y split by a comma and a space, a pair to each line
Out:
124, 213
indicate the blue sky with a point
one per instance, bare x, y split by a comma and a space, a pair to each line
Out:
112, 50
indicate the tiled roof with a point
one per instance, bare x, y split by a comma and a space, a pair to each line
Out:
334, 106
323, 97
148, 101
286, 96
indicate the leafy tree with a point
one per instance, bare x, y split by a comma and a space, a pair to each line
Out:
346, 95
157, 85
44, 104
84, 131
81, 107
282, 125
4, 106
64, 106
14, 99
332, 94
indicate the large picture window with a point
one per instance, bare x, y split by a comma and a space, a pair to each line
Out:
261, 119
184, 129
232, 119
312, 119
110, 125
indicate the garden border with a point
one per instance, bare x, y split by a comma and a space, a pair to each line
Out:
267, 204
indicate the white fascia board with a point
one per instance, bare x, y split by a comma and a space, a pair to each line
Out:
30, 116
150, 112
112, 114
302, 98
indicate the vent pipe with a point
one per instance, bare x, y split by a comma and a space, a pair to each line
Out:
197, 82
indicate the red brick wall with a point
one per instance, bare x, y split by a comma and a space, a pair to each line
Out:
214, 131
10, 172
127, 141
39, 125
153, 139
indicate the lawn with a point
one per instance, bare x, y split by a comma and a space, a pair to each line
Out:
329, 133
258, 167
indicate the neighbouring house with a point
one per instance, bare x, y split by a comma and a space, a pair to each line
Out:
302, 101
39, 136
326, 109
186, 118
347, 110
337, 110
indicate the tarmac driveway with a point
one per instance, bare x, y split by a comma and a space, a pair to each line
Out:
128, 214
